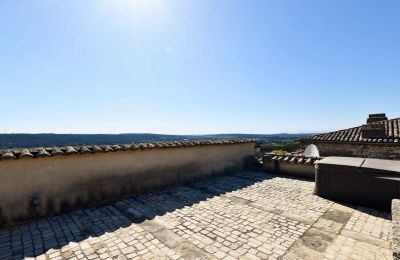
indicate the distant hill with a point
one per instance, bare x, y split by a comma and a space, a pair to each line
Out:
48, 140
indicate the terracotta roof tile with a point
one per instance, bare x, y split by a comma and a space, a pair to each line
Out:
70, 150
84, 150
25, 153
294, 159
41, 152
56, 151
8, 154
97, 149
354, 134
107, 148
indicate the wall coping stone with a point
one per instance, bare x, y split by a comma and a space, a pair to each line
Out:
37, 152
292, 159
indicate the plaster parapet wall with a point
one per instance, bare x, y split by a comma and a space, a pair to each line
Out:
35, 187
370, 150
396, 229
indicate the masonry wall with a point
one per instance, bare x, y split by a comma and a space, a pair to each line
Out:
302, 169
378, 150
46, 186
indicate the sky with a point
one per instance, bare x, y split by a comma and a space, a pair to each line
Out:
197, 66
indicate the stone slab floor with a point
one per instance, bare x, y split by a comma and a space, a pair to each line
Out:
246, 215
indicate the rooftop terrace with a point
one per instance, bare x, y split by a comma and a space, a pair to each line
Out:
245, 215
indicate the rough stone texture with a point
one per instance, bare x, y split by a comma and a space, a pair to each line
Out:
396, 229
297, 166
247, 215
368, 150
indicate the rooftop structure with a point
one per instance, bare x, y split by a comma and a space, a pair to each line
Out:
378, 138
191, 200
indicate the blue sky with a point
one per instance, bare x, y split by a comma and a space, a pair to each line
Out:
196, 66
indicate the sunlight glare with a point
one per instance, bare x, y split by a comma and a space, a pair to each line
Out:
134, 9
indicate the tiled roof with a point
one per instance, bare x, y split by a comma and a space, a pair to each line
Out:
9, 154
392, 134
295, 159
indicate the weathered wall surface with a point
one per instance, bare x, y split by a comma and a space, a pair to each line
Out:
396, 229
290, 165
61, 183
379, 150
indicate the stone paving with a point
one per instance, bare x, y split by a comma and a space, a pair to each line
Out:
246, 215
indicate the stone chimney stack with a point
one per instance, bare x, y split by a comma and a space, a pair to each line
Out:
376, 117
374, 130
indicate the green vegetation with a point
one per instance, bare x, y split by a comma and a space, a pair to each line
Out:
279, 152
284, 144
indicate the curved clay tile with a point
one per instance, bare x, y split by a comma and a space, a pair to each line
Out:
126, 147
70, 150
159, 145
56, 151
25, 153
396, 128
116, 147
135, 147
275, 158
150, 146
84, 150
308, 161
172, 145
41, 152
7, 155
293, 160
97, 149
143, 146
107, 148
300, 161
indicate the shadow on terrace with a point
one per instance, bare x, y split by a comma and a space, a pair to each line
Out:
36, 237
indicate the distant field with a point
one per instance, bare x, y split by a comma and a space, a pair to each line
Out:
46, 140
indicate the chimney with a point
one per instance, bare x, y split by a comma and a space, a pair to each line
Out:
376, 130
376, 117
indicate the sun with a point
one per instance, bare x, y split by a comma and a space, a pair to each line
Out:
134, 8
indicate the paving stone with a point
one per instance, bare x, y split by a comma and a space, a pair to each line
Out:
246, 215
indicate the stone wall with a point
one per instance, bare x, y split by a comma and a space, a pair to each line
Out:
36, 187
396, 229
378, 150
298, 166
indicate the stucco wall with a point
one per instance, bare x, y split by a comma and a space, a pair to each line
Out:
66, 182
378, 150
